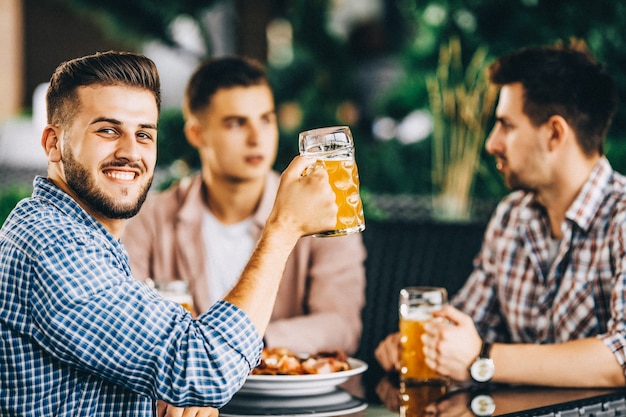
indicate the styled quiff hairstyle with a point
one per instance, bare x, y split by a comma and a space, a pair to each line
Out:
103, 68
217, 73
564, 80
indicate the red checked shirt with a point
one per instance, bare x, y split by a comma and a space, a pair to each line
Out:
516, 295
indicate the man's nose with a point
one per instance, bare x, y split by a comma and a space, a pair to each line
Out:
492, 143
253, 134
128, 148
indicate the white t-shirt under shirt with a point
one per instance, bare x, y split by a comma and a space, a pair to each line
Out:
227, 250
553, 250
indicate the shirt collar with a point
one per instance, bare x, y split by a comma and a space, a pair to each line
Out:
589, 200
583, 209
193, 205
47, 190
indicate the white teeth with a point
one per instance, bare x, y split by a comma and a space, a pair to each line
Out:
122, 176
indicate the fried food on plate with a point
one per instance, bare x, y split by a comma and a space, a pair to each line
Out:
281, 361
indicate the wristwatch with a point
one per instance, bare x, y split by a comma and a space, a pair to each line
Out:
482, 369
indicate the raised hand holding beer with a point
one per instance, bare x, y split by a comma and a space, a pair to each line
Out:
333, 147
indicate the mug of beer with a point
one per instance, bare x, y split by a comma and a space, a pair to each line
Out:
177, 291
416, 307
333, 148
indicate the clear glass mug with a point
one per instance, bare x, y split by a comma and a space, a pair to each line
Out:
333, 148
416, 307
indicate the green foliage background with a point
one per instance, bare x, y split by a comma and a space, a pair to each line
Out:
321, 80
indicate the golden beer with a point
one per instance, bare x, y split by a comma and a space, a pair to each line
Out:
412, 357
416, 307
344, 180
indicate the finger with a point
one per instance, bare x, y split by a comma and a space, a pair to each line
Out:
161, 408
430, 359
451, 314
382, 356
172, 411
200, 412
387, 352
311, 168
395, 353
297, 166
190, 412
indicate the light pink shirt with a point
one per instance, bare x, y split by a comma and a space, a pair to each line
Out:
319, 302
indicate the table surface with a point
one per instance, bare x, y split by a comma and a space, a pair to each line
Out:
373, 395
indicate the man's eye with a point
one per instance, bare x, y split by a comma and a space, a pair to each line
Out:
235, 123
504, 125
108, 131
143, 136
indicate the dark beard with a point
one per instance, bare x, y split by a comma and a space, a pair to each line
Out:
79, 180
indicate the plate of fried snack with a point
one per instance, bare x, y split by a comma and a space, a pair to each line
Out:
285, 373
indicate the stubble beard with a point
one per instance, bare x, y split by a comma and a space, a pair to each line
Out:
515, 183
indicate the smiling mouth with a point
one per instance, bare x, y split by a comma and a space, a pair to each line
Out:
121, 175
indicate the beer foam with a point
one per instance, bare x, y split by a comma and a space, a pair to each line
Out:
417, 313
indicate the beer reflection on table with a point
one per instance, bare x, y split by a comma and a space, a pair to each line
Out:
433, 399
410, 400
470, 400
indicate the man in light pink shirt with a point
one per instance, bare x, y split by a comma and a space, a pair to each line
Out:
203, 229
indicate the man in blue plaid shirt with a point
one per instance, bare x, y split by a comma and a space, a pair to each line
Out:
79, 335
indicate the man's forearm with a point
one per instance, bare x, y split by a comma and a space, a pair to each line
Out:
579, 363
256, 290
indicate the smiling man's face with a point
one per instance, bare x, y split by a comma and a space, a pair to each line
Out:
109, 151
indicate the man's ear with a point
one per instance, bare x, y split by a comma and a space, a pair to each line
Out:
51, 142
193, 132
558, 130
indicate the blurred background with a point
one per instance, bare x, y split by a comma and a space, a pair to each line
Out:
405, 75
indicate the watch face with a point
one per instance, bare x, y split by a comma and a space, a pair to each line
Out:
482, 370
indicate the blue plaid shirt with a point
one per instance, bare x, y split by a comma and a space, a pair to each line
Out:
80, 337
516, 295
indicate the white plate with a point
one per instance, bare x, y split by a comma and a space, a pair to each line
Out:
289, 385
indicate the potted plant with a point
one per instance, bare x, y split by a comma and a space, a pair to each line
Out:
461, 102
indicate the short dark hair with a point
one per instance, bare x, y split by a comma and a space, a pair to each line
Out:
563, 80
217, 73
102, 68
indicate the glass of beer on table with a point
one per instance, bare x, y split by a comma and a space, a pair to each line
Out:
176, 290
333, 148
416, 307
